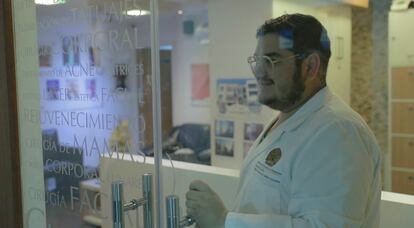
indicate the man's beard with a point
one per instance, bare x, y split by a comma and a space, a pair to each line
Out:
293, 97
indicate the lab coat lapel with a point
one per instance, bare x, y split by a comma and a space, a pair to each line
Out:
311, 106
261, 143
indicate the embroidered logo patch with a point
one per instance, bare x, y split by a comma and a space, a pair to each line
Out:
273, 157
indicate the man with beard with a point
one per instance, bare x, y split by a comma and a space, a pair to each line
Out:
317, 164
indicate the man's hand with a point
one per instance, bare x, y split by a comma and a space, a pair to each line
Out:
205, 206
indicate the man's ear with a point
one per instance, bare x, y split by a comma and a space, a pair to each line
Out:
311, 65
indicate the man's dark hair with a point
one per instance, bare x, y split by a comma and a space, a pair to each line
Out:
306, 32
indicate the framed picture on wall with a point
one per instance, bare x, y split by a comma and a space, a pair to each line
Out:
72, 89
71, 94
225, 147
52, 89
252, 131
237, 95
224, 128
200, 84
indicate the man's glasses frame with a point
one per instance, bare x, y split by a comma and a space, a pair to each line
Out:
266, 63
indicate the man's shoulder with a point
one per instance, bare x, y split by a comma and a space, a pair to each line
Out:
335, 116
337, 112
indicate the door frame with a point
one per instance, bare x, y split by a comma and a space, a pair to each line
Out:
11, 213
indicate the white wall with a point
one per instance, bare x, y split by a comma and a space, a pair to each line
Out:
396, 209
231, 43
186, 51
401, 50
232, 33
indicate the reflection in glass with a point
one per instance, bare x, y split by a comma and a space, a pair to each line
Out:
94, 77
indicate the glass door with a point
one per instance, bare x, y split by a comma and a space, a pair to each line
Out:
110, 91
215, 112
85, 81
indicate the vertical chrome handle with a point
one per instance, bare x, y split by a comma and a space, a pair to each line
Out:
117, 204
173, 211
173, 214
147, 194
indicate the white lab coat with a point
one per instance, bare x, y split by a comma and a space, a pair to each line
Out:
328, 174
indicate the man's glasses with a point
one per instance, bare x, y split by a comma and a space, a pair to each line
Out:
263, 63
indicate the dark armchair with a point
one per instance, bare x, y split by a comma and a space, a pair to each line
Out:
188, 142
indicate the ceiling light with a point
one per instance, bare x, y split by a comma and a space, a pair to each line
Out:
137, 12
50, 2
180, 12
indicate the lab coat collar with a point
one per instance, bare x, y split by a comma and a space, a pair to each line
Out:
316, 102
312, 105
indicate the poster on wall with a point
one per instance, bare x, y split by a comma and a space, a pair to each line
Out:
200, 84
237, 96
70, 50
71, 94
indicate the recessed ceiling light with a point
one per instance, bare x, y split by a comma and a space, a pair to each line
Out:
50, 2
180, 12
137, 12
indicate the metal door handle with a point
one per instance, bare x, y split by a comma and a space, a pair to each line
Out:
118, 206
173, 214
